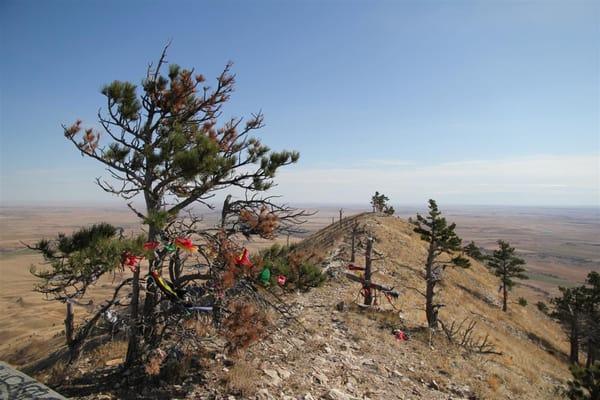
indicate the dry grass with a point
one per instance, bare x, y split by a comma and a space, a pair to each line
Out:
202, 325
154, 362
110, 351
57, 374
242, 379
494, 382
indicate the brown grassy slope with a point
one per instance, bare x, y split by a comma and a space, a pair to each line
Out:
534, 347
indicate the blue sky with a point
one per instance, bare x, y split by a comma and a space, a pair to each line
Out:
468, 102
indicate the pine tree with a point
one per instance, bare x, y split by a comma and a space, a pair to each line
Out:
379, 204
508, 267
473, 251
74, 263
592, 317
570, 310
441, 239
165, 144
578, 310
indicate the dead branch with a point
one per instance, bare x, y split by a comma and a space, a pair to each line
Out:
466, 338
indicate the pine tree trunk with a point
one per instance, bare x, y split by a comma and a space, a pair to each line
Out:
429, 306
69, 328
505, 297
367, 285
133, 343
429, 292
591, 352
150, 301
574, 341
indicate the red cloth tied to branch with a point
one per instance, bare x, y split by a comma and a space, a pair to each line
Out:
186, 245
131, 260
281, 279
243, 260
150, 245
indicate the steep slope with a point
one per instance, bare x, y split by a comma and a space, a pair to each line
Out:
350, 352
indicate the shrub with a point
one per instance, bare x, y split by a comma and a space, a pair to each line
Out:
244, 326
542, 307
300, 274
522, 301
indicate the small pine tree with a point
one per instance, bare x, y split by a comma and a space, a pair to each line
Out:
473, 251
508, 267
441, 239
74, 263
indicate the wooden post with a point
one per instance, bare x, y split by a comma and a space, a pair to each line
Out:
354, 232
341, 213
332, 220
369, 292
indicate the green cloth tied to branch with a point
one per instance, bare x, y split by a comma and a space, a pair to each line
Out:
265, 276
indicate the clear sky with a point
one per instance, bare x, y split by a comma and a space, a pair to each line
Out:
467, 102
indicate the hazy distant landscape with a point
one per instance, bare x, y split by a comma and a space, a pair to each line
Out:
561, 245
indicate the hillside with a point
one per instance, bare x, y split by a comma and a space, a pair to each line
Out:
338, 350
353, 353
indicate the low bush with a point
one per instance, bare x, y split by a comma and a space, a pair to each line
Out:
522, 301
244, 326
299, 273
542, 307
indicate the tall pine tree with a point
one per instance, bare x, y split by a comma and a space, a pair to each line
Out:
163, 142
592, 317
570, 309
508, 267
441, 239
